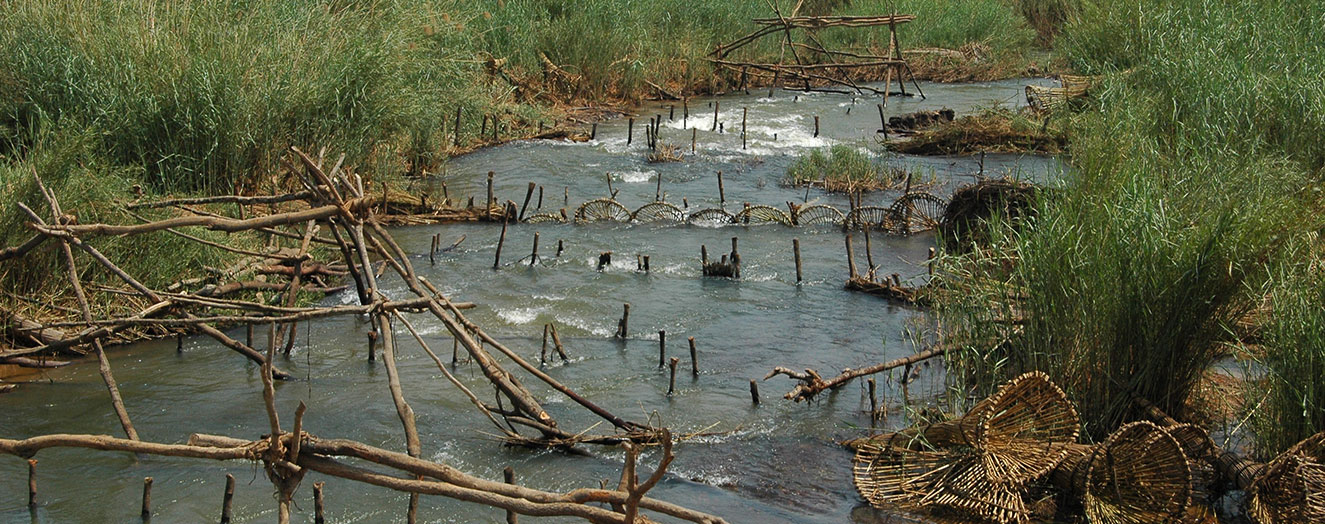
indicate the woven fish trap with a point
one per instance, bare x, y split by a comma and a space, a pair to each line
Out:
602, 210
658, 212
977, 465
545, 218
819, 214
761, 214
1289, 488
709, 217
946, 482
1139, 475
1200, 450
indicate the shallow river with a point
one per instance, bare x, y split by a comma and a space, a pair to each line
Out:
777, 461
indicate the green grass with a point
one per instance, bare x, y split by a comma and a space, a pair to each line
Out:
839, 168
1293, 355
1192, 169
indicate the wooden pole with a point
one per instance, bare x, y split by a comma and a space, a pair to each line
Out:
630, 131
754, 392
539, 207
657, 192
694, 136
874, 400
671, 114
736, 260
685, 113
542, 354
533, 257
851, 259
869, 253
565, 197
816, 126
796, 250
722, 193
703, 254
930, 263
372, 345
715, 116
556, 343
509, 475
671, 382
694, 358
457, 127
560, 247
624, 324
32, 483
229, 497
528, 194
883, 123
662, 348
593, 132
492, 199
319, 516
496, 262
646, 263
147, 499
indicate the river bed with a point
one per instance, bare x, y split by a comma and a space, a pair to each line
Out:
774, 462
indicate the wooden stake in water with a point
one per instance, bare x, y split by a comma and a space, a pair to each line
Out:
229, 497
671, 382
560, 247
318, 513
754, 392
851, 259
539, 207
533, 257
491, 198
869, 253
685, 113
874, 401
703, 254
32, 483
147, 499
715, 116
509, 475
496, 261
624, 324
542, 354
816, 126
694, 358
528, 195
694, 137
722, 193
662, 348
883, 123
932, 254
657, 193
630, 131
796, 250
736, 260
556, 343
372, 345
593, 132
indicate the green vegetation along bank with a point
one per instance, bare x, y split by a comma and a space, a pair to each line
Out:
1186, 232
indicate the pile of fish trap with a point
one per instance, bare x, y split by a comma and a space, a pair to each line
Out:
991, 464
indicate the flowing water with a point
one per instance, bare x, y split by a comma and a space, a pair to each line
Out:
774, 462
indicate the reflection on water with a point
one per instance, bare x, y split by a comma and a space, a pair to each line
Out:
776, 462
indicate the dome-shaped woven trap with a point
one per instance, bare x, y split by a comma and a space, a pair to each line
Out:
915, 212
819, 214
873, 217
761, 214
1139, 475
1289, 488
978, 464
545, 218
710, 217
658, 212
602, 210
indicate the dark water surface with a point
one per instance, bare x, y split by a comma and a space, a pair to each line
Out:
778, 461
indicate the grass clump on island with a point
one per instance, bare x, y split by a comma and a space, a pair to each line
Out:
991, 130
1193, 174
841, 169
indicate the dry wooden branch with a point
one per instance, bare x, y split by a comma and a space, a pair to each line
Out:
812, 383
